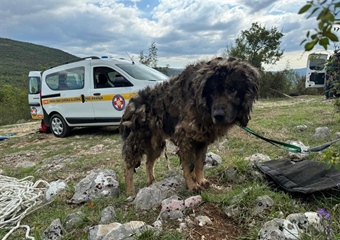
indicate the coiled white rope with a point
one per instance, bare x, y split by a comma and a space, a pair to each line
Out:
18, 198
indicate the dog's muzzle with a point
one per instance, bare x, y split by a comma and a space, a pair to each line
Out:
218, 116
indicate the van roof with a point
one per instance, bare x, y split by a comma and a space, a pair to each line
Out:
95, 59
34, 73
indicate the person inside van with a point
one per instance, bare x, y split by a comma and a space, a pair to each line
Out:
102, 81
62, 82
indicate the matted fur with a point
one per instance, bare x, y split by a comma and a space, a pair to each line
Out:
192, 109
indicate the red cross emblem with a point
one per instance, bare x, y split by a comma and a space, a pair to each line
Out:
34, 111
118, 102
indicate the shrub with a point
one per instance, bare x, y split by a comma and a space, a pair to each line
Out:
274, 84
13, 105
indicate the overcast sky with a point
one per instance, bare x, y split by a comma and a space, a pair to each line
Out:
183, 30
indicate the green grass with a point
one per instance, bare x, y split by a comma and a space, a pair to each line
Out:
82, 152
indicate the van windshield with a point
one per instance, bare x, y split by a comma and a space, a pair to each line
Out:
142, 72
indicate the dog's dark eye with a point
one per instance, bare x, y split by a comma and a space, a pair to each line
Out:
231, 90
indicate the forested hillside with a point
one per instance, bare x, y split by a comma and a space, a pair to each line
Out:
18, 58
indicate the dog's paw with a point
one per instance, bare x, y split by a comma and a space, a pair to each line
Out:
204, 184
130, 190
197, 190
195, 187
151, 181
130, 199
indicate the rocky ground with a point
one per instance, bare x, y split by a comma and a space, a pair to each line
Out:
31, 150
27, 152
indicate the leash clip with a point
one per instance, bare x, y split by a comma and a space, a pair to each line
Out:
304, 150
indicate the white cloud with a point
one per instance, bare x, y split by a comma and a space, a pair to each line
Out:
184, 30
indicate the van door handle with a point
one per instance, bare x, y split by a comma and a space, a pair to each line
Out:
82, 98
96, 94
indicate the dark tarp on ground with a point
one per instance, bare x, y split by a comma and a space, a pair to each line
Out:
301, 177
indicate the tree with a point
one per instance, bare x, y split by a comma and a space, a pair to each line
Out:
150, 60
258, 45
143, 59
327, 22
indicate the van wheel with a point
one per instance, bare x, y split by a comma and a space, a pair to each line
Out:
59, 126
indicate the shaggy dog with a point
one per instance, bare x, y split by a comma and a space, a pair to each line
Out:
192, 109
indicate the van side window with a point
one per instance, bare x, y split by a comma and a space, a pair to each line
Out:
52, 81
69, 79
102, 81
105, 77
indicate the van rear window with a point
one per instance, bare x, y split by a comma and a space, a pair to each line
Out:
317, 64
69, 79
34, 85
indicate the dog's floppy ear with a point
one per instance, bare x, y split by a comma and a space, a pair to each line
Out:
243, 116
243, 120
251, 87
211, 72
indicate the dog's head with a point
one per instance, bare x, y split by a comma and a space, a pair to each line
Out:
228, 90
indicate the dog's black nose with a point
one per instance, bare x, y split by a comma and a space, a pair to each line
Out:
219, 115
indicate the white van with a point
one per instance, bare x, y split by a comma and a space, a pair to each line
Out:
87, 92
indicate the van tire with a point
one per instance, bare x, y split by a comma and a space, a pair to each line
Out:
59, 126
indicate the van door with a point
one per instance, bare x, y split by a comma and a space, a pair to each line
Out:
110, 94
316, 70
34, 101
66, 95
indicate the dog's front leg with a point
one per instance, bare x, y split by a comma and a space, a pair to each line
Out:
187, 158
200, 152
189, 177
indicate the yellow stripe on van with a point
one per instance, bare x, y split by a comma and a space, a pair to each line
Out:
105, 97
109, 97
61, 100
